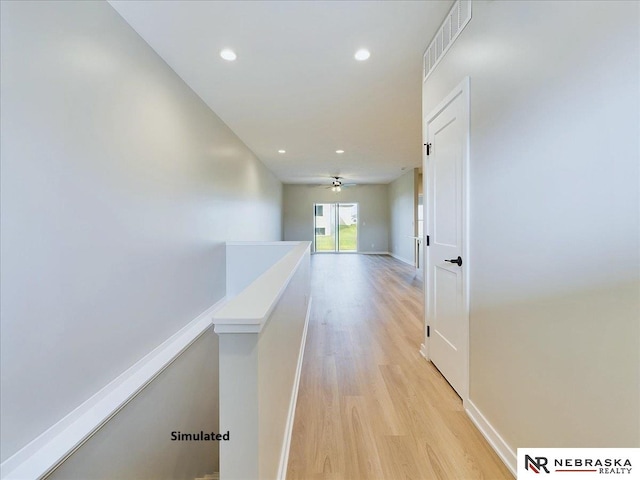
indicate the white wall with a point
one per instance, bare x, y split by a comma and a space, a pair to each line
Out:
373, 212
402, 217
180, 399
555, 312
119, 188
246, 261
262, 335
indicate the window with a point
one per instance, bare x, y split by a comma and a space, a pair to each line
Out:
320, 211
320, 231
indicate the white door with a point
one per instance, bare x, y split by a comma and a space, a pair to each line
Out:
447, 130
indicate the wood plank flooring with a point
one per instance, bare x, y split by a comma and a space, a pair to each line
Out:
369, 406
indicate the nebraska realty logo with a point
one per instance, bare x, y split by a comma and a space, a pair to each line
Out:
581, 463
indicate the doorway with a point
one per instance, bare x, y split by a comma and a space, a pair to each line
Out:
446, 164
335, 227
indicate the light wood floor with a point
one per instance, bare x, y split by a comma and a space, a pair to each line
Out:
369, 406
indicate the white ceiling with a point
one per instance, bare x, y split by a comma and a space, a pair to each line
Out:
296, 85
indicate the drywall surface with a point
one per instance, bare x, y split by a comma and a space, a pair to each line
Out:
246, 261
119, 187
554, 218
373, 212
402, 215
137, 442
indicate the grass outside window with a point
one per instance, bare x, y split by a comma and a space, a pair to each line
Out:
348, 240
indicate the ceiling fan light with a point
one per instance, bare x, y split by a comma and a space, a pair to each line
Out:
338, 188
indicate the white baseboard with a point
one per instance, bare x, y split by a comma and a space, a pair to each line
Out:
211, 476
48, 450
504, 451
402, 259
286, 444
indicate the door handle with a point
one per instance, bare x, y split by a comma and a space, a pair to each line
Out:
456, 260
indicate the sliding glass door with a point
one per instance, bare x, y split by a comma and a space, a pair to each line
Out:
325, 228
335, 227
347, 227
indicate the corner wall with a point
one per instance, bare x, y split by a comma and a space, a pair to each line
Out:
554, 168
402, 217
118, 188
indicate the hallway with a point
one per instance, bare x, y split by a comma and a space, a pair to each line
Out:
369, 406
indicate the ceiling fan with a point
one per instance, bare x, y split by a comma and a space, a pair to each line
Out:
337, 184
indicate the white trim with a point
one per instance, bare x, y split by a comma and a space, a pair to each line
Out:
502, 448
238, 328
424, 352
211, 476
268, 244
352, 253
253, 306
466, 209
52, 447
404, 260
286, 443
462, 90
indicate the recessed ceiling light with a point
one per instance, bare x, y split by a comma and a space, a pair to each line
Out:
228, 54
282, 151
362, 54
339, 151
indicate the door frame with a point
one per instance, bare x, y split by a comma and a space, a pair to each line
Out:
462, 89
421, 239
337, 225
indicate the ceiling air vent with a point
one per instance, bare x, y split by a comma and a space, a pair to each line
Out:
455, 21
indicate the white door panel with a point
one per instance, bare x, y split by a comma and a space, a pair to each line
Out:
445, 171
446, 287
445, 196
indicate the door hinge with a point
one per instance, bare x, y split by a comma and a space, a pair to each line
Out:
428, 331
427, 240
428, 145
